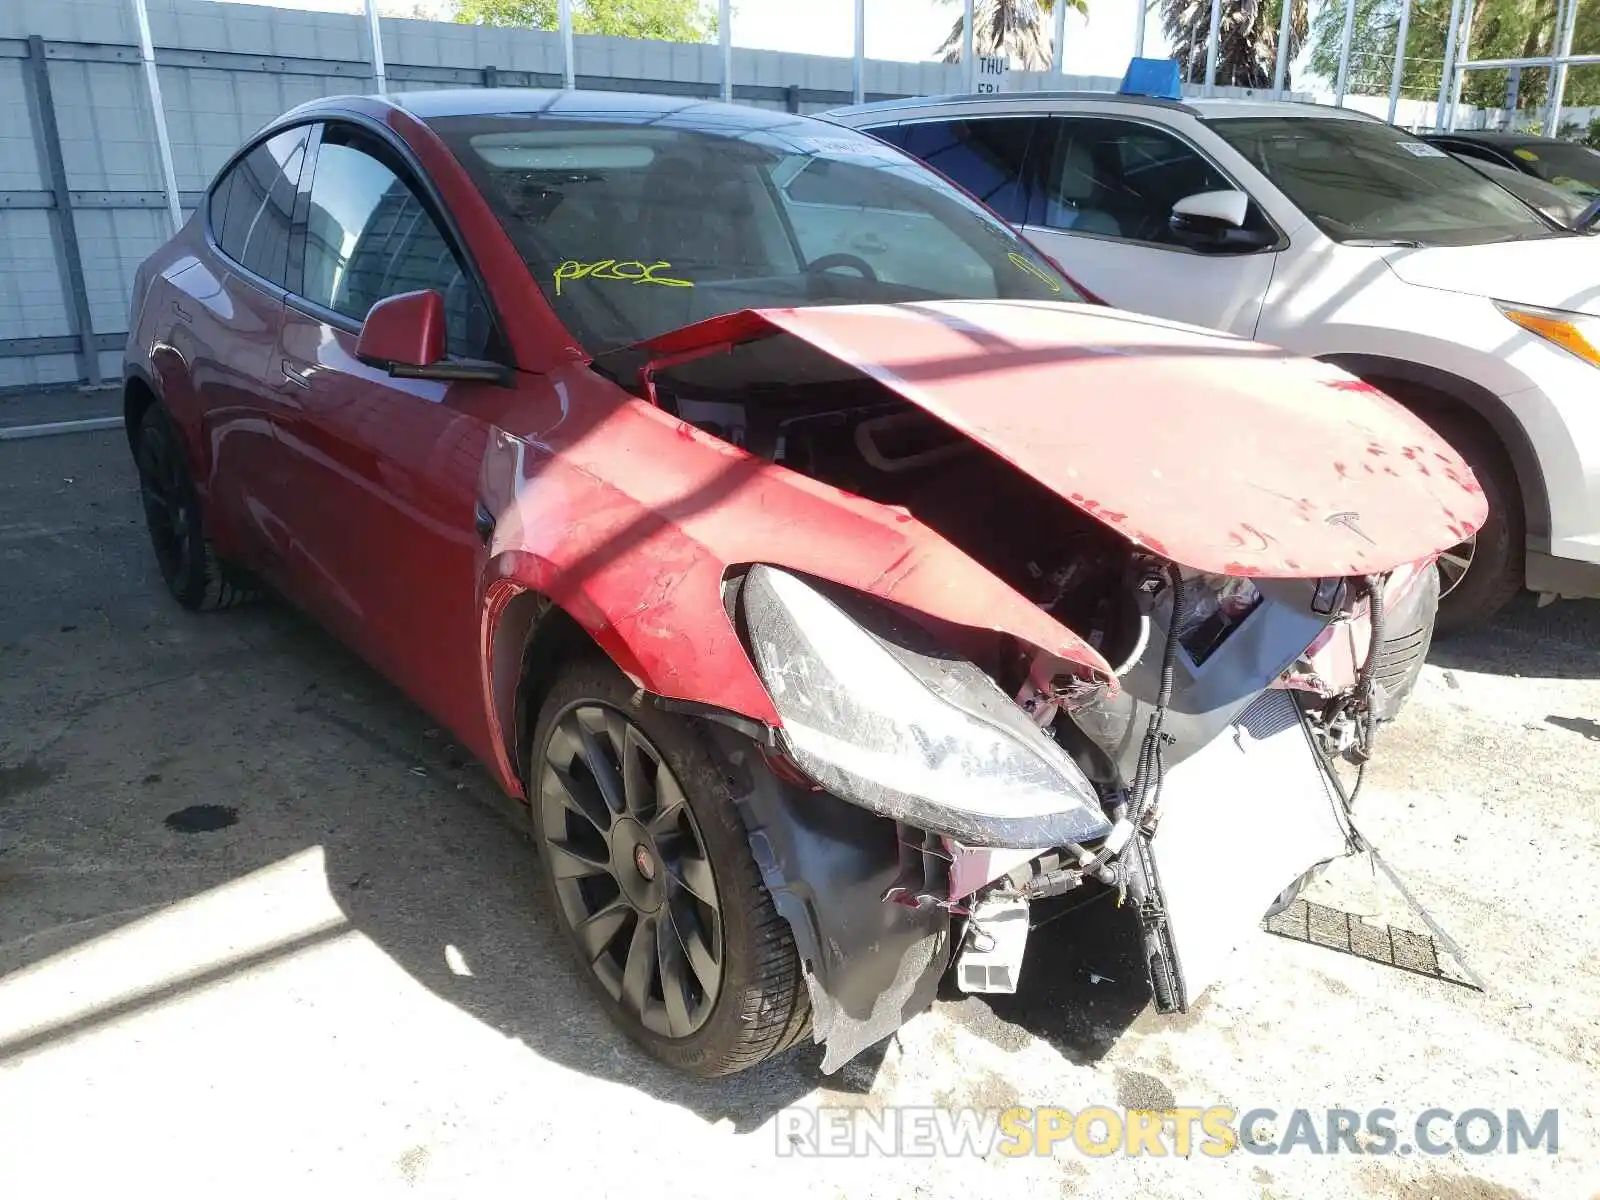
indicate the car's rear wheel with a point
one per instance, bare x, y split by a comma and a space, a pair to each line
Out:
653, 882
197, 578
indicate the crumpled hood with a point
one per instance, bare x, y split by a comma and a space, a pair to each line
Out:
1222, 454
1555, 272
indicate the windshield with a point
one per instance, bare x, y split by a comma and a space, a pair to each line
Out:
633, 229
1565, 164
1361, 181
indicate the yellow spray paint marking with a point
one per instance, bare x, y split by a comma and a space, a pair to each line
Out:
1525, 155
1022, 264
626, 271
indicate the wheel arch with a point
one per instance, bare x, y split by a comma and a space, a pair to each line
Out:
138, 395
526, 636
1425, 389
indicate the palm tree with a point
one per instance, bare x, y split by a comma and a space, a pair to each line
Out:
1247, 38
1014, 28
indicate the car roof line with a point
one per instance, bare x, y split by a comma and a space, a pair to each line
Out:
1006, 98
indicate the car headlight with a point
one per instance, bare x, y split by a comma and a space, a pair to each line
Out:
878, 715
1576, 333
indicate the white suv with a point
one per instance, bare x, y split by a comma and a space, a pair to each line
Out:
1337, 236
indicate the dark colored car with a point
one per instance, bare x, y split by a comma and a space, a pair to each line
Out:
1566, 208
788, 542
1567, 165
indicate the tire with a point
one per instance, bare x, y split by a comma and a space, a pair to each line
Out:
197, 578
758, 1005
1494, 574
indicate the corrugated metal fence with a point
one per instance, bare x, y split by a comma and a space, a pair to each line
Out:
81, 199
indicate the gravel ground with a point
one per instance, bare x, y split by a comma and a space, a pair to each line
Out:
262, 929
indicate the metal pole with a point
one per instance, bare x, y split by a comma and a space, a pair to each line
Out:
376, 36
568, 73
158, 111
1555, 51
860, 67
1399, 59
66, 223
1344, 53
1449, 64
1212, 46
969, 69
1141, 11
1281, 70
1061, 35
1558, 75
725, 32
1459, 76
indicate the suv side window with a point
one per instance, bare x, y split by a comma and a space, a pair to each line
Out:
987, 156
252, 206
370, 236
1121, 178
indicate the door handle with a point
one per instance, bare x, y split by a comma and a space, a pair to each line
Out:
484, 523
182, 314
294, 374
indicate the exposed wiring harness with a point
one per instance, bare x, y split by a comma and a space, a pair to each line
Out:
1134, 805
1365, 711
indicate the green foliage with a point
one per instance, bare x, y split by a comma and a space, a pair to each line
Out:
1593, 137
661, 20
1247, 39
1014, 28
1500, 29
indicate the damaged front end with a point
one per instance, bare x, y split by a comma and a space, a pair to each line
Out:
1007, 792
928, 786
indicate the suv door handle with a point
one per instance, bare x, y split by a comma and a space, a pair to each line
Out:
182, 314
484, 523
295, 374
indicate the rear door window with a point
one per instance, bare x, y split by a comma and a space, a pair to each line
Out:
988, 156
251, 209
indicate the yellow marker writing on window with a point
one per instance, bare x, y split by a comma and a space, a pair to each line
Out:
1525, 155
627, 271
1022, 264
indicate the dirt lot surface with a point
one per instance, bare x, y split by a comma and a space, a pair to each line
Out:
263, 934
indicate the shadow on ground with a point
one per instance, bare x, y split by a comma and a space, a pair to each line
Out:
1558, 641
148, 755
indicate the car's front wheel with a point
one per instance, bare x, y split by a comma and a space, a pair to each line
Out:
652, 879
1480, 576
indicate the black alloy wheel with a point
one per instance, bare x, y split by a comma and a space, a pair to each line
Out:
647, 862
170, 511
630, 870
197, 578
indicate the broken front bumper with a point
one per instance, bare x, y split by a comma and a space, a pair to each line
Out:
1241, 820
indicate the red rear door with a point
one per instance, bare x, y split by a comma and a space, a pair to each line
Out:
225, 312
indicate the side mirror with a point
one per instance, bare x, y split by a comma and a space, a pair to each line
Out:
407, 330
407, 335
1215, 221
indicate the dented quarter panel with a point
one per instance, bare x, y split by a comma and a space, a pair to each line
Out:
1222, 454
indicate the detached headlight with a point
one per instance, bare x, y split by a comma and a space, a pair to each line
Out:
1576, 333
881, 718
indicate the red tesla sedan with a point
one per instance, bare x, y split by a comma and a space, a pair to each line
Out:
830, 584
